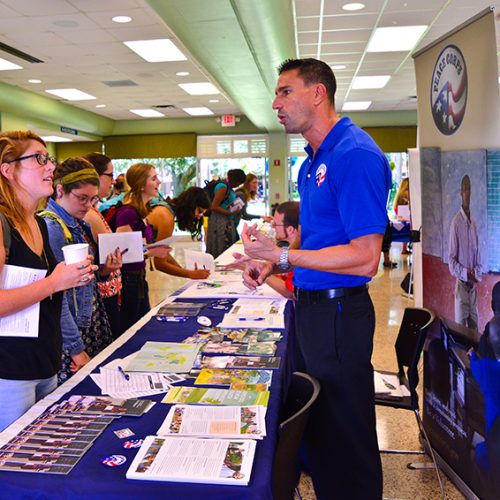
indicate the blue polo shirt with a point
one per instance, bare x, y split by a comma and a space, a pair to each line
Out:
343, 194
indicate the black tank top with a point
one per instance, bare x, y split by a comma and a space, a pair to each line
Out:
34, 358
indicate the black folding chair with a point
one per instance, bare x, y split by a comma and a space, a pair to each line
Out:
409, 346
302, 394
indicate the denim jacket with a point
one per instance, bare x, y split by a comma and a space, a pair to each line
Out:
77, 302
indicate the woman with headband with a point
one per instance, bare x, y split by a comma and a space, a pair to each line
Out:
29, 365
84, 323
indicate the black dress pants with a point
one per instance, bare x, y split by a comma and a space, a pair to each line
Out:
335, 338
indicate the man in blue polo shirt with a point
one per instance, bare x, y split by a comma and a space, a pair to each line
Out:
343, 186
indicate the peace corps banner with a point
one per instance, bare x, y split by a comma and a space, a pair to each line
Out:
459, 146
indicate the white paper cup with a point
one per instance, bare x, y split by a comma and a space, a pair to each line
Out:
75, 253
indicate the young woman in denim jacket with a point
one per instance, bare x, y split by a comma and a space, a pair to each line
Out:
28, 365
84, 323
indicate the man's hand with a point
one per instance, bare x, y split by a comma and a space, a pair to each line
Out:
239, 262
259, 246
471, 276
256, 273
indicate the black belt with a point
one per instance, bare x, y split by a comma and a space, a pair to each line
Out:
330, 293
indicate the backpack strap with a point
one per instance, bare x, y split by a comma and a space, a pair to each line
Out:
47, 214
6, 236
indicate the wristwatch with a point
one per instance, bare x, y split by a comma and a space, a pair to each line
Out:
283, 264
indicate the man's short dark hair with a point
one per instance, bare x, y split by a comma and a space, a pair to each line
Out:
312, 71
290, 210
495, 298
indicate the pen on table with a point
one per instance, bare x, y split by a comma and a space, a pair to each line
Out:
251, 319
124, 251
388, 385
126, 376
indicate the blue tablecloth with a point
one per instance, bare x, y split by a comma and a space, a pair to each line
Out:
91, 479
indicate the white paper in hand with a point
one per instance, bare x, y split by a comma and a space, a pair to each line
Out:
129, 243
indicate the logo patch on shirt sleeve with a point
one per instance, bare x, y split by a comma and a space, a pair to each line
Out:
320, 174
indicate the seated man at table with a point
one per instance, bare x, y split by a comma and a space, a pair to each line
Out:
286, 224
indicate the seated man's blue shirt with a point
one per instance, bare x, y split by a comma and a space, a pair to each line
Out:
343, 194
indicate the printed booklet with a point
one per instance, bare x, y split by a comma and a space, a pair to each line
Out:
241, 362
230, 422
226, 397
188, 460
229, 377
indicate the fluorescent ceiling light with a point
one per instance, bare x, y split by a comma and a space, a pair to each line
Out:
147, 113
213, 100
395, 38
356, 105
7, 65
100, 105
55, 138
161, 50
370, 82
353, 6
71, 94
121, 19
35, 80
203, 88
182, 73
201, 111
339, 66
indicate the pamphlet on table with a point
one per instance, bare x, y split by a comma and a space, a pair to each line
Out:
187, 460
226, 397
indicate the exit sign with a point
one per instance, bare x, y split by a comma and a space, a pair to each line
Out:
228, 121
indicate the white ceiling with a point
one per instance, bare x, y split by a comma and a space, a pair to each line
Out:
81, 47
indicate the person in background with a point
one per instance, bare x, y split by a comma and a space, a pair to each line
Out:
221, 232
286, 224
343, 185
402, 199
247, 192
84, 323
464, 259
110, 288
131, 216
187, 210
29, 366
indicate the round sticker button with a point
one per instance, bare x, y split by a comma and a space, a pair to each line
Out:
114, 460
133, 443
204, 321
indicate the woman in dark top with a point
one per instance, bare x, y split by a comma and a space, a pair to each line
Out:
187, 211
28, 365
131, 216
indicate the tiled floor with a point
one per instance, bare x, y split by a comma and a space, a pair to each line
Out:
396, 428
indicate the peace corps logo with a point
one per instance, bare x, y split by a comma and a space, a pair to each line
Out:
449, 90
320, 174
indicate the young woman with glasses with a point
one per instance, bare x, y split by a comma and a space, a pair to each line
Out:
28, 365
84, 323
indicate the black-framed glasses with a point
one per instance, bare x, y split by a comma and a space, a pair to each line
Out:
111, 176
84, 199
41, 158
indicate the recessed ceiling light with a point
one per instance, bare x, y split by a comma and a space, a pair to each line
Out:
353, 6
395, 38
7, 65
121, 19
100, 105
213, 100
71, 94
202, 88
339, 66
201, 111
147, 113
356, 105
161, 50
55, 138
499, 79
182, 73
35, 80
370, 82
